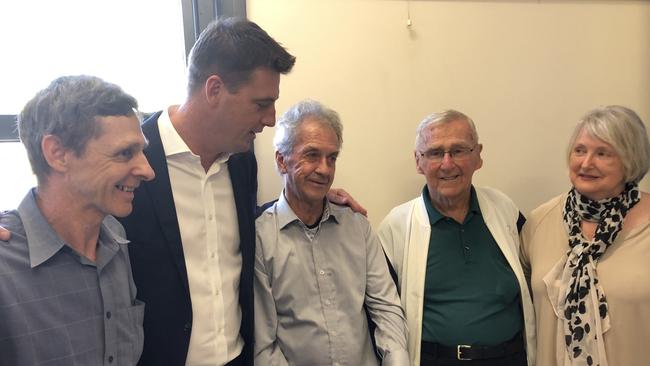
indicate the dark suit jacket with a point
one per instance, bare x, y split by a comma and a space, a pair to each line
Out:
159, 265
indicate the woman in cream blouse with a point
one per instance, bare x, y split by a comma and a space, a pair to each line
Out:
588, 251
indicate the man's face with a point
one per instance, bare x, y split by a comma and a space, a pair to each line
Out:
309, 168
103, 178
450, 179
248, 110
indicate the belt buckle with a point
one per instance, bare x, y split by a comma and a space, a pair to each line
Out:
459, 349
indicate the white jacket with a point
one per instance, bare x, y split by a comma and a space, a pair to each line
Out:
405, 233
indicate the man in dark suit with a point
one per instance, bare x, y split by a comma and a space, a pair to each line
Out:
192, 229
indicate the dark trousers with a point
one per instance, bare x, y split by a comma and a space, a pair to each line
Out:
518, 359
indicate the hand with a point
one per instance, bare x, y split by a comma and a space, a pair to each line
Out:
341, 197
5, 234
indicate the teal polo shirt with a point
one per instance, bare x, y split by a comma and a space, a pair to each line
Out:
471, 295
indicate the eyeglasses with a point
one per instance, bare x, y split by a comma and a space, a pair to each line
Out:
455, 153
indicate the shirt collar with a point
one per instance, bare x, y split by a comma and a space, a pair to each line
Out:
435, 215
286, 215
43, 242
173, 143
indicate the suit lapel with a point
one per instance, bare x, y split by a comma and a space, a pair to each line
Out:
243, 175
243, 190
160, 192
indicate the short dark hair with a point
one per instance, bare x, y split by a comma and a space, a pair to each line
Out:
68, 108
233, 48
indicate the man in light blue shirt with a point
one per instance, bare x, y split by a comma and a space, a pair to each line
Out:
319, 266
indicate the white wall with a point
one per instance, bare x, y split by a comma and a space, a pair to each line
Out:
525, 71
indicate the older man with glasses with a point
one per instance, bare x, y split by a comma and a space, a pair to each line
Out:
455, 251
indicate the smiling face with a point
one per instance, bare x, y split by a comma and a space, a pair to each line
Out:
449, 180
595, 168
102, 179
245, 112
309, 169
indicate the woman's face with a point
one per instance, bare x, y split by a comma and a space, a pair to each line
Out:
595, 168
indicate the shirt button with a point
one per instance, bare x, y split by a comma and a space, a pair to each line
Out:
108, 315
110, 359
327, 302
322, 273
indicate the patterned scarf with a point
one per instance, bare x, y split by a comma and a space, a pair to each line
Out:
585, 310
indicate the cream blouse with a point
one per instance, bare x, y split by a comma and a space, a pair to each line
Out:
623, 271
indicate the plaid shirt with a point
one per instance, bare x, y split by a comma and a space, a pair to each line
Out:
59, 308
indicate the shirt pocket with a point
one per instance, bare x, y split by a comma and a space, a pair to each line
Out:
130, 333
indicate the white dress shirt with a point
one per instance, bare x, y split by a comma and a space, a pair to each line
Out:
207, 218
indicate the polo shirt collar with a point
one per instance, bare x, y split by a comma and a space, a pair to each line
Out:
435, 215
42, 241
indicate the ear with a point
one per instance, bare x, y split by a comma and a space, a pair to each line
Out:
479, 147
214, 89
281, 164
55, 153
417, 157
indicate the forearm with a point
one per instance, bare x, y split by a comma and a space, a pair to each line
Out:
385, 309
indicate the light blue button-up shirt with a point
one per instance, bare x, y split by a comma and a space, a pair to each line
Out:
312, 289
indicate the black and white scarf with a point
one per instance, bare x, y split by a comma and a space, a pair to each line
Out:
585, 310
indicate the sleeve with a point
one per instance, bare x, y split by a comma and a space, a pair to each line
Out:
384, 307
267, 350
387, 240
524, 238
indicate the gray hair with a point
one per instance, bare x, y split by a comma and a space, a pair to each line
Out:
622, 128
68, 108
440, 118
287, 126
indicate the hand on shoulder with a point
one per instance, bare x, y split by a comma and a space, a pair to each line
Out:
341, 197
5, 234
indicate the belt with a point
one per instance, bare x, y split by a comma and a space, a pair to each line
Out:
466, 353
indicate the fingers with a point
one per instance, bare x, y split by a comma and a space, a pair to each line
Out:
5, 234
341, 197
